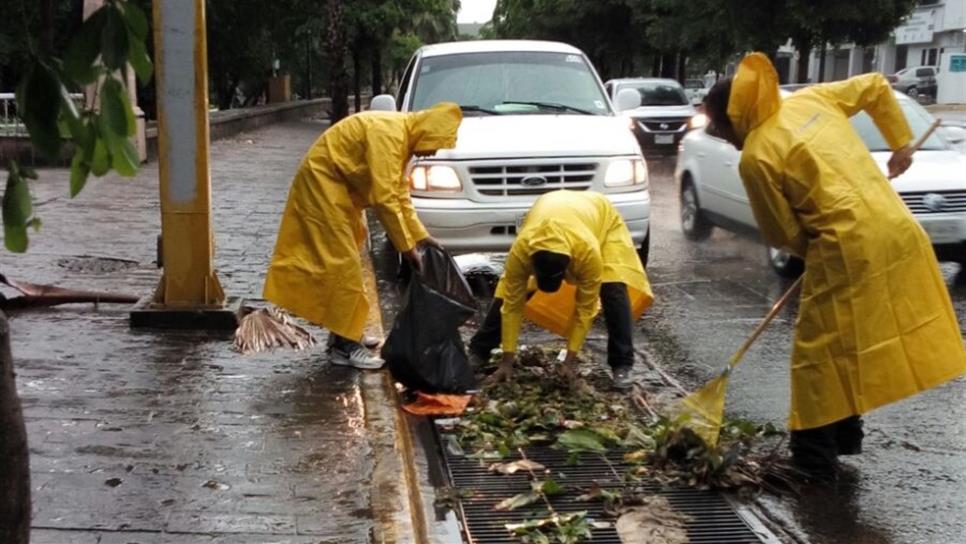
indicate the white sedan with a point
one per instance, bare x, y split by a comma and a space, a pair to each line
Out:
934, 187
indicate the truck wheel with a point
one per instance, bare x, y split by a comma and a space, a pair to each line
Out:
644, 251
785, 264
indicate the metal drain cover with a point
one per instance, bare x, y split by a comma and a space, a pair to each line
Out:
713, 519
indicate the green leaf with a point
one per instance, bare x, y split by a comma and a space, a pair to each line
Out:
100, 161
35, 224
549, 487
124, 156
582, 440
517, 501
17, 209
84, 49
138, 57
114, 39
15, 238
116, 109
38, 101
136, 20
78, 173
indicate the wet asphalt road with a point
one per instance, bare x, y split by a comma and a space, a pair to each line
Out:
908, 486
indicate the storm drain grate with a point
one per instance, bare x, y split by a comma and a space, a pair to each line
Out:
713, 519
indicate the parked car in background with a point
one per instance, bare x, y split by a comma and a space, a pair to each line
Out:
536, 119
915, 81
695, 90
934, 188
664, 114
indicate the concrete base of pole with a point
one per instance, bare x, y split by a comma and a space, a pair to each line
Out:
148, 315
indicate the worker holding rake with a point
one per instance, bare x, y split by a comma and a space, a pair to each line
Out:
316, 270
875, 321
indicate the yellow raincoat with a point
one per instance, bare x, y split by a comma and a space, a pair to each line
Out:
875, 323
316, 271
584, 226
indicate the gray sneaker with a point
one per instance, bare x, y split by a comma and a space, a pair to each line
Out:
622, 378
354, 355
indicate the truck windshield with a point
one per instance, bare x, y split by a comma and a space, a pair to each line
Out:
510, 82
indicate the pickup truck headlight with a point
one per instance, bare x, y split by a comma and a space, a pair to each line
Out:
625, 173
435, 178
698, 121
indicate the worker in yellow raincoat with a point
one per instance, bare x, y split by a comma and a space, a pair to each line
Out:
581, 238
316, 271
875, 322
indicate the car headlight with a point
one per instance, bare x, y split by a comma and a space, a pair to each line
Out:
435, 178
700, 120
625, 173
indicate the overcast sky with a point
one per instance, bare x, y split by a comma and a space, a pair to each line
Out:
475, 11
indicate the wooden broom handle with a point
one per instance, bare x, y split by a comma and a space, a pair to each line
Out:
779, 304
922, 139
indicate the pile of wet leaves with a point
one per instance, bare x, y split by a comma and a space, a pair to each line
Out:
540, 408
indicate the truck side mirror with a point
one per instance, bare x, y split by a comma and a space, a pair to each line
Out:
383, 102
627, 99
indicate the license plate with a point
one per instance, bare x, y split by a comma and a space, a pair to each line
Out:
664, 138
941, 232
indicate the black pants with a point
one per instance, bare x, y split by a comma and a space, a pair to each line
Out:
617, 316
816, 450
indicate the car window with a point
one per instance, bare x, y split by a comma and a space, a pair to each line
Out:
922, 72
694, 84
659, 93
919, 120
490, 80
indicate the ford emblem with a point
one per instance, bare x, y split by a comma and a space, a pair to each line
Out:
934, 202
533, 181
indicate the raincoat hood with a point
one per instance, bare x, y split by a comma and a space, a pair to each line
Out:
550, 235
754, 94
434, 128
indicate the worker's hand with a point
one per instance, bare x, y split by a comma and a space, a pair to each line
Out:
414, 259
900, 161
503, 372
432, 242
568, 368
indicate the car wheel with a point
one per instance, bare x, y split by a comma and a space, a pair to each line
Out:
913, 92
644, 251
784, 263
693, 223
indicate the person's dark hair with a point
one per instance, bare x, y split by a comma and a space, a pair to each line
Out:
716, 102
549, 268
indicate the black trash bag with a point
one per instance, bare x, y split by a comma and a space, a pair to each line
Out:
424, 350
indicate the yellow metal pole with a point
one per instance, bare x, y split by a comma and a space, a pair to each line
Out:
189, 279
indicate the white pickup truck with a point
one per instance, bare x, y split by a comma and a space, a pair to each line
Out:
536, 119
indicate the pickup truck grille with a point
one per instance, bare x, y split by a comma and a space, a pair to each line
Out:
922, 202
537, 179
663, 125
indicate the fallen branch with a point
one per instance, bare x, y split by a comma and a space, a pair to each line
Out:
41, 295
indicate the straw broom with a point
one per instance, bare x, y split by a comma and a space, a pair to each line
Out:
703, 410
269, 328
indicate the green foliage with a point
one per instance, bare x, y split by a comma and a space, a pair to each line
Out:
115, 34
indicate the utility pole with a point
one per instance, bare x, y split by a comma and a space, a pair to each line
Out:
189, 295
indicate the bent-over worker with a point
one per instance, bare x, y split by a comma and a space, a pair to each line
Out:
581, 238
316, 270
875, 321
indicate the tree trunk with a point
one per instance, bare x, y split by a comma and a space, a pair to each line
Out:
656, 65
821, 62
682, 67
376, 60
47, 26
14, 463
668, 65
357, 77
308, 68
336, 48
804, 52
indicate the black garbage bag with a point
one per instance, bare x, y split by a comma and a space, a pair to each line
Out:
424, 350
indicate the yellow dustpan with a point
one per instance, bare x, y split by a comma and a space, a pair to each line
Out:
704, 409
